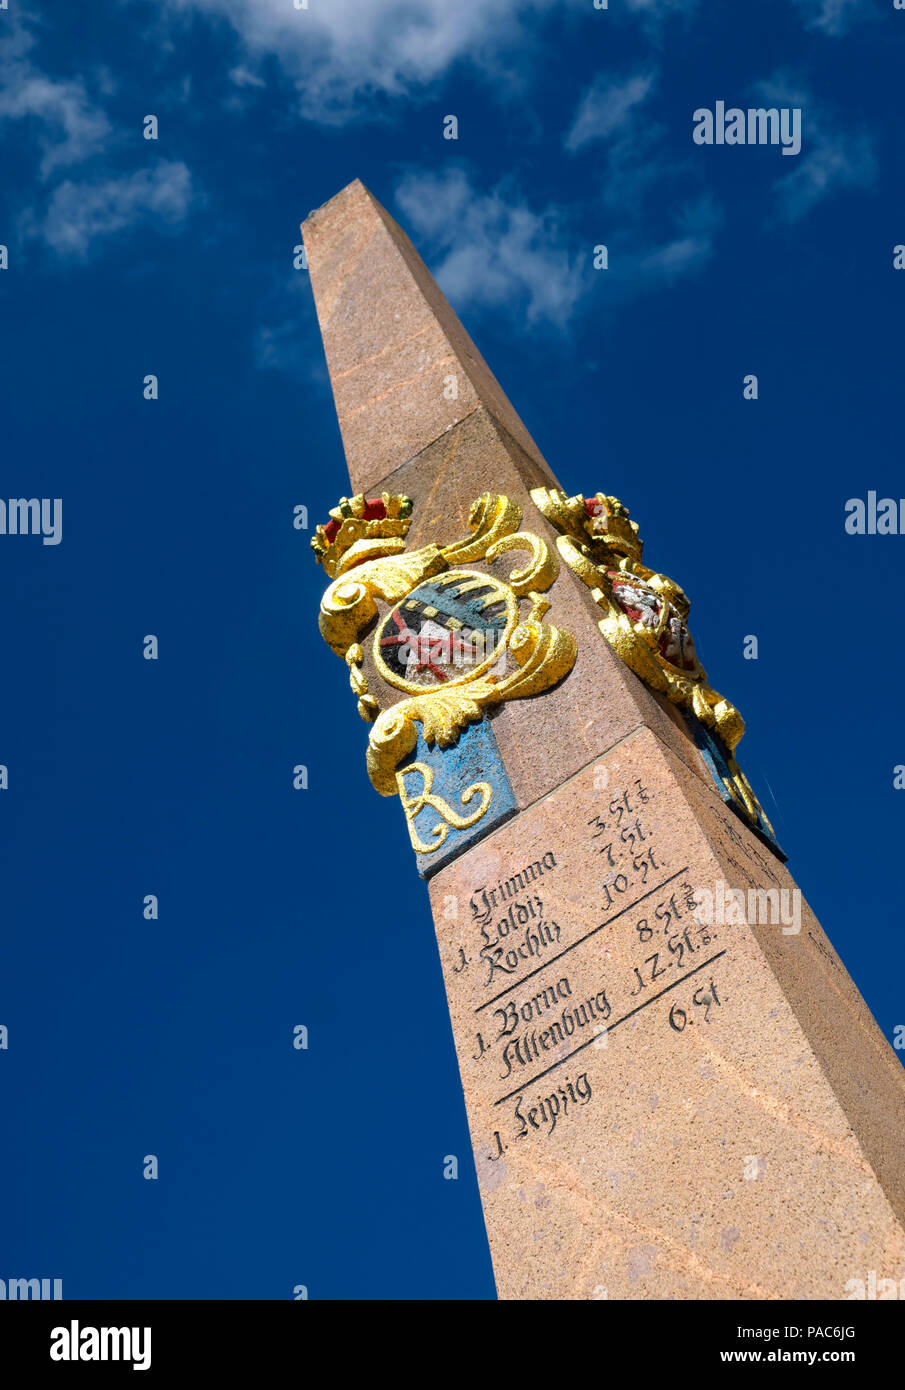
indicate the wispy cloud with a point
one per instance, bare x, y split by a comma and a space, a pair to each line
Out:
241, 77
831, 16
81, 214
640, 179
654, 15
287, 339
691, 245
837, 162
834, 157
71, 127
616, 110
492, 249
605, 108
341, 52
661, 6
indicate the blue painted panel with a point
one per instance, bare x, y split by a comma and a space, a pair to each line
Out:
441, 785
717, 759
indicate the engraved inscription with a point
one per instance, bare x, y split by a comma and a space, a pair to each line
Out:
551, 988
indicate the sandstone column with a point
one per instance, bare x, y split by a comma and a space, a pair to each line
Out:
673, 1086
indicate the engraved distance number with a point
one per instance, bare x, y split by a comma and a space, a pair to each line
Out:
705, 998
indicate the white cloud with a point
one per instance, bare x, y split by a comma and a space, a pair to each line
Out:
832, 158
69, 128
831, 16
80, 214
606, 107
651, 7
494, 250
340, 51
654, 15
690, 248
835, 162
634, 159
635, 165
243, 78
72, 128
286, 340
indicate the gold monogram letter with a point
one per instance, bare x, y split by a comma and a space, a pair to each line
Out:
412, 806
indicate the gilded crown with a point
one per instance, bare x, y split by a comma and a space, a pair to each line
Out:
607, 521
362, 528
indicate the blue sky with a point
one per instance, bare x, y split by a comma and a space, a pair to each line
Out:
174, 257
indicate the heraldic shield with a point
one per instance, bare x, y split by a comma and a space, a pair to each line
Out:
455, 642
645, 620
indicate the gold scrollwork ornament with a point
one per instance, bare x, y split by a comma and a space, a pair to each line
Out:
433, 645
645, 613
645, 619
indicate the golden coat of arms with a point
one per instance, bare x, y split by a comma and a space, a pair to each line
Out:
453, 640
645, 619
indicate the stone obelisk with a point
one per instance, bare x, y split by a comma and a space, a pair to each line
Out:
674, 1088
